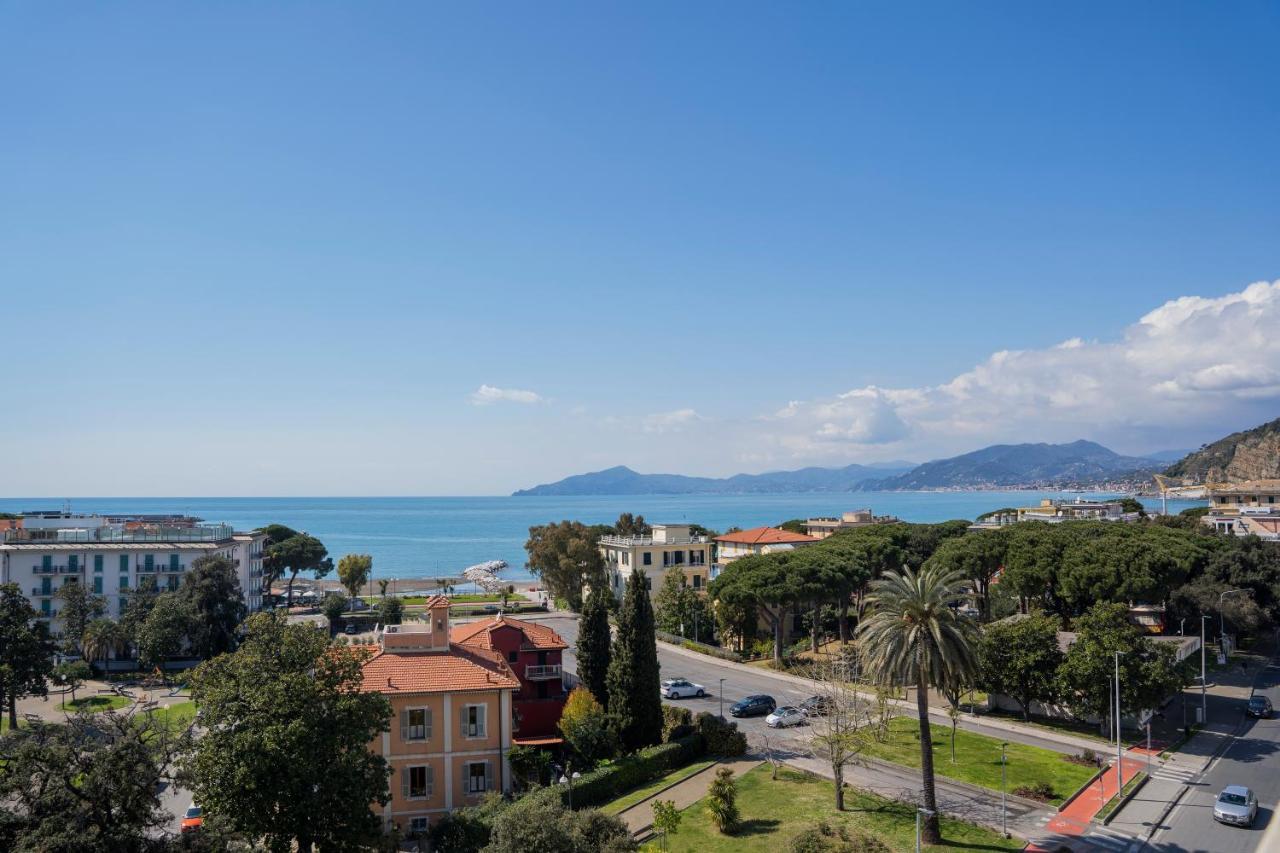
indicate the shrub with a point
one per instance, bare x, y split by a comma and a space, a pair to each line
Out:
585, 726
1041, 791
677, 722
721, 738
722, 800
762, 648
1087, 758
824, 838
390, 611
605, 783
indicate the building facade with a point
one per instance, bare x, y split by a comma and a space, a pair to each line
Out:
757, 540
823, 526
669, 546
1251, 508
451, 724
533, 653
1078, 510
111, 558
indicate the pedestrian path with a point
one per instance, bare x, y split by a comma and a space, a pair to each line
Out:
1174, 773
639, 818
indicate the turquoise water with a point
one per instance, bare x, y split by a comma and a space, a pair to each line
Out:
429, 537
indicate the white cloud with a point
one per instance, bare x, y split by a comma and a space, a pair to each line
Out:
670, 421
1193, 365
487, 394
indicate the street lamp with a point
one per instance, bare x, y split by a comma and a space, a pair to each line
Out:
1204, 697
1119, 751
926, 813
1004, 805
567, 778
722, 698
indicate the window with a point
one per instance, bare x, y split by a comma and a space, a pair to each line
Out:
418, 825
46, 586
473, 721
626, 558
97, 586
124, 562
149, 562
73, 562
416, 783
648, 558
679, 557
477, 777
124, 582
512, 656
44, 607
697, 581
542, 690
46, 562
97, 562
648, 583
415, 724
173, 562
122, 603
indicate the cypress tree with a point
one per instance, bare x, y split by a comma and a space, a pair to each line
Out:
635, 705
593, 649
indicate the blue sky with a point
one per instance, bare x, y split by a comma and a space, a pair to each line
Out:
280, 248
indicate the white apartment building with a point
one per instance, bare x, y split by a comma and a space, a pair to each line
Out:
1250, 508
1078, 510
668, 546
823, 526
113, 558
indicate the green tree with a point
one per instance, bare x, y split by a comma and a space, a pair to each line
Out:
529, 765
758, 583
542, 823
333, 606
391, 610
1147, 671
299, 553
468, 830
912, 637
212, 590
77, 607
1020, 659
585, 727
1133, 505
635, 703
139, 603
382, 587
595, 644
166, 630
566, 556
722, 801
86, 785
977, 557
666, 819
794, 525
102, 638
286, 750
71, 675
354, 571
678, 609
26, 651
272, 567
631, 525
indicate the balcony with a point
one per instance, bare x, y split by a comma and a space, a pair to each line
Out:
167, 568
41, 592
546, 672
56, 570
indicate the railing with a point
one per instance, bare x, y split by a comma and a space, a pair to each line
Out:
54, 536
56, 570
542, 672
162, 568
41, 592
629, 541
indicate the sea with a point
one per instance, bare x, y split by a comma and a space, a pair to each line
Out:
429, 537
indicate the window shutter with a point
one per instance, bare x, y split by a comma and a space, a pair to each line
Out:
404, 726
466, 781
431, 780
462, 720
404, 782
488, 775
426, 718
480, 720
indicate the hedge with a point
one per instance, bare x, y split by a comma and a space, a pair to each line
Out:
605, 783
703, 648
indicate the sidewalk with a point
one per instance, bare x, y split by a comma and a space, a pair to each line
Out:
1170, 779
639, 818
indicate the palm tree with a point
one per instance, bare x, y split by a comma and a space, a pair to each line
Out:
101, 638
912, 637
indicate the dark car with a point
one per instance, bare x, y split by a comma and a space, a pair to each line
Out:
753, 706
816, 706
1260, 707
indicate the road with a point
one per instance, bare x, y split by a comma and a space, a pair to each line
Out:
1250, 756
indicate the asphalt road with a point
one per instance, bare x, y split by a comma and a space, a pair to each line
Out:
1251, 757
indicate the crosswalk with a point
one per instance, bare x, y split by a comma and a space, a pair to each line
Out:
1101, 838
1109, 839
1174, 774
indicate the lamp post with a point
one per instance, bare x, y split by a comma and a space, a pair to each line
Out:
1004, 803
567, 778
1119, 751
1204, 697
722, 698
926, 813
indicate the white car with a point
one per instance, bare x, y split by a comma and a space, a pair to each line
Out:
787, 715
680, 688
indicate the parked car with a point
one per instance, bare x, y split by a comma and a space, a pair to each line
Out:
1236, 805
816, 706
193, 819
787, 715
679, 688
1260, 707
753, 706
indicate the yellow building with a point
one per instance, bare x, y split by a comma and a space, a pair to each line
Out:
668, 546
451, 724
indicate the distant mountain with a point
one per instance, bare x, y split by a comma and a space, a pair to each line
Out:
621, 480
1250, 455
1167, 455
1078, 464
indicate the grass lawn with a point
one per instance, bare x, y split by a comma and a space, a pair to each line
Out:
978, 759
176, 716
630, 798
1085, 730
775, 812
95, 703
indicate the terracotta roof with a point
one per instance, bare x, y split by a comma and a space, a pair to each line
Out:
480, 634
461, 669
436, 601
765, 536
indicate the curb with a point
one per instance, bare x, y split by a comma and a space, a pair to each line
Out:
1087, 784
1124, 801
965, 786
1173, 802
666, 788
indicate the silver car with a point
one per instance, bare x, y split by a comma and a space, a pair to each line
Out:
1236, 805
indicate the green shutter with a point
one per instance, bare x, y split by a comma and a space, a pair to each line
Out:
97, 562
124, 562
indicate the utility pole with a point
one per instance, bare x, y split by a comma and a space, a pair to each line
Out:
1119, 751
722, 698
1204, 690
1004, 804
